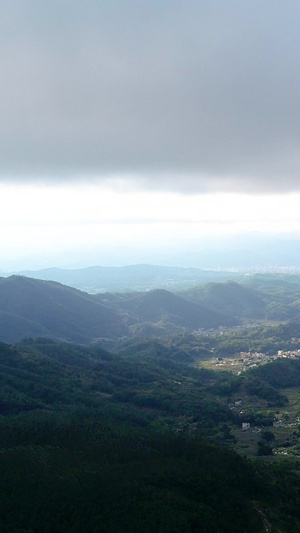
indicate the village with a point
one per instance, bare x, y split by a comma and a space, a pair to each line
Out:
285, 425
246, 360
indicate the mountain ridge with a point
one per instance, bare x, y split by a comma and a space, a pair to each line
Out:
34, 308
50, 308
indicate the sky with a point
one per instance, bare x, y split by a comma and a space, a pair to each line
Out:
132, 129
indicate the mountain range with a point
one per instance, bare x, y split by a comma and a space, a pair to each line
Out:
97, 279
39, 308
36, 308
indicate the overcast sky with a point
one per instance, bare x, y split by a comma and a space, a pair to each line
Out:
133, 122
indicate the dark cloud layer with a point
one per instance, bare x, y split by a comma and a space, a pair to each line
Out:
209, 91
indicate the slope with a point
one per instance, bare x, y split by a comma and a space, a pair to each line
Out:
31, 307
75, 456
128, 278
229, 298
169, 310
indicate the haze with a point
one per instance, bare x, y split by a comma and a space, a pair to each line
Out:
132, 132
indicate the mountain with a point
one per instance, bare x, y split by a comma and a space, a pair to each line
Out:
282, 291
32, 308
38, 308
128, 278
229, 298
278, 286
162, 307
91, 441
259, 296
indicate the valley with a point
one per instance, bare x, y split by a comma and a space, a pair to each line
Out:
153, 401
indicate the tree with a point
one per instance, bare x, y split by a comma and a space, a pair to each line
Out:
268, 436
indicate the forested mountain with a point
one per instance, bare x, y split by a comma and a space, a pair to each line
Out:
32, 308
229, 298
38, 308
168, 311
269, 297
142, 439
282, 285
282, 292
91, 441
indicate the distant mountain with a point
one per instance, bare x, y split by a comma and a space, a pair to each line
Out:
32, 308
282, 291
259, 296
168, 310
128, 278
229, 298
279, 286
38, 308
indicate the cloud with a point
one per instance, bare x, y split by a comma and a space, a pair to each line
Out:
193, 96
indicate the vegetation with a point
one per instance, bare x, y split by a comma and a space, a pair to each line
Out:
35, 308
266, 339
229, 298
100, 442
144, 438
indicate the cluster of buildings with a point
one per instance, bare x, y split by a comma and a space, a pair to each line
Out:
290, 354
248, 360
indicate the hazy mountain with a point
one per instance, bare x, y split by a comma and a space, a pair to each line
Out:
30, 308
38, 308
170, 310
275, 285
122, 279
262, 296
282, 291
229, 298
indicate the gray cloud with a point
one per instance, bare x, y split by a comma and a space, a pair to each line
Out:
193, 95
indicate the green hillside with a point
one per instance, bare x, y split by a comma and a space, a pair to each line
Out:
259, 296
229, 298
169, 310
31, 308
282, 292
36, 308
91, 441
